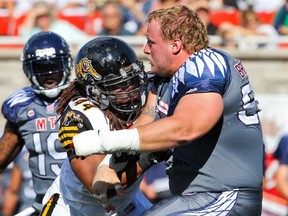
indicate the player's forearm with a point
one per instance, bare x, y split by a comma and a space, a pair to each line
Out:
161, 134
85, 169
9, 147
148, 113
152, 137
10, 202
189, 122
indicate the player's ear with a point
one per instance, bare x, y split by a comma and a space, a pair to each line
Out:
176, 46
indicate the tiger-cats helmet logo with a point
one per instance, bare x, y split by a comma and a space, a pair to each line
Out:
84, 67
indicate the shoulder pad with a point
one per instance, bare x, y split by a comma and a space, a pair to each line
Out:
14, 102
73, 122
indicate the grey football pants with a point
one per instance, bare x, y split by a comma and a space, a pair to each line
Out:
232, 203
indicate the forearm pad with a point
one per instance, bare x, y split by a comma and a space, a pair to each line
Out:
148, 159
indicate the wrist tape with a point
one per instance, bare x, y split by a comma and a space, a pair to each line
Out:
107, 160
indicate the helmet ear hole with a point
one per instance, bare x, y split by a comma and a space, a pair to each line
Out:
112, 67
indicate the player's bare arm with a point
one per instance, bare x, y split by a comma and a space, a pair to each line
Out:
100, 180
10, 146
148, 113
189, 122
85, 169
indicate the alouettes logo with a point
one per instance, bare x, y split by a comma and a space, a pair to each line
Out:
85, 67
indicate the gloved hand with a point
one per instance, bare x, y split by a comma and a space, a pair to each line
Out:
148, 159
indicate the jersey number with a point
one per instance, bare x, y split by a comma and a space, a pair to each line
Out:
248, 104
52, 152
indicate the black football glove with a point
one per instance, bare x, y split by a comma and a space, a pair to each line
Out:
148, 159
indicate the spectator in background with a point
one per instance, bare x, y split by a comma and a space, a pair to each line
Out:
250, 26
133, 16
42, 18
203, 10
234, 4
281, 154
6, 7
281, 19
150, 5
145, 6
157, 4
93, 20
252, 23
267, 5
71, 7
253, 26
113, 20
228, 39
63, 6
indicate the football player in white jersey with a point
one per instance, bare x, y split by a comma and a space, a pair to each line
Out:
109, 93
31, 112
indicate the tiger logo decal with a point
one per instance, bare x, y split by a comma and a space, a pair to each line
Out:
85, 67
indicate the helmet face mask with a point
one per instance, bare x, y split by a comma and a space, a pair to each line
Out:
47, 63
127, 96
113, 77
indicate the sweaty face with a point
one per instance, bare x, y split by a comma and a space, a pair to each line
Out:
157, 49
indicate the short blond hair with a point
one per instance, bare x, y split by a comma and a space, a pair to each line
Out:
180, 22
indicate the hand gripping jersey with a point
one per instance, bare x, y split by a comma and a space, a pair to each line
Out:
35, 121
81, 115
230, 155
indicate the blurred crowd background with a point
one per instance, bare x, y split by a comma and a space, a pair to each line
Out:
228, 20
255, 31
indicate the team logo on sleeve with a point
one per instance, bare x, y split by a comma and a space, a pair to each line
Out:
73, 117
240, 69
84, 67
31, 114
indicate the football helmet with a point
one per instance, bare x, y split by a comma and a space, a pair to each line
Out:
113, 77
46, 59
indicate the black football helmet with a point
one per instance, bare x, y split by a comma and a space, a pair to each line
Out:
46, 57
110, 72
